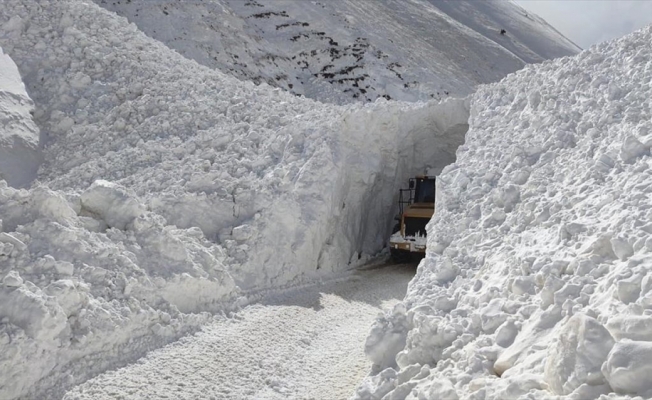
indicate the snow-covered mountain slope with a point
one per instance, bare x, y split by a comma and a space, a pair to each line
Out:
19, 135
538, 279
350, 50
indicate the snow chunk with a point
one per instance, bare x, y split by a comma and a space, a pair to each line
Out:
634, 327
8, 238
387, 338
622, 248
113, 203
32, 312
628, 368
242, 233
19, 136
12, 279
577, 354
632, 149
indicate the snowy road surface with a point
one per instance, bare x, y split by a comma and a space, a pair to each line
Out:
307, 344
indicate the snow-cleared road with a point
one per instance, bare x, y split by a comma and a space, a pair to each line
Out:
306, 344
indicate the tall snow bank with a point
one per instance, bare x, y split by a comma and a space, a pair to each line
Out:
169, 189
285, 185
81, 293
342, 204
537, 281
19, 136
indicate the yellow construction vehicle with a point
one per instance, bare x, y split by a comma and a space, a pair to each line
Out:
416, 207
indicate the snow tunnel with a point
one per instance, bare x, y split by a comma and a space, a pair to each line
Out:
410, 142
342, 209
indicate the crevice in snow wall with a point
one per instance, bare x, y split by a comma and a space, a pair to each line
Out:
342, 206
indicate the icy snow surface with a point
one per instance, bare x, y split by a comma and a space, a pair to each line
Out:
352, 50
538, 278
306, 344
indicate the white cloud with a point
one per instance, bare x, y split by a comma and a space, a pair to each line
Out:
587, 22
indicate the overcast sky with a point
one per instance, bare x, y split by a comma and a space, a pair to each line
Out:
587, 22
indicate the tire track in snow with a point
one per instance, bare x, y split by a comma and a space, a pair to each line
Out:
303, 344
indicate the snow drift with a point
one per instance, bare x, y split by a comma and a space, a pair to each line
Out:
537, 281
170, 191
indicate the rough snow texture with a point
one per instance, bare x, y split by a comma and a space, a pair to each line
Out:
538, 278
170, 190
303, 344
19, 136
80, 294
352, 50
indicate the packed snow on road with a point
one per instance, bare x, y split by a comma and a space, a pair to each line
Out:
302, 344
162, 212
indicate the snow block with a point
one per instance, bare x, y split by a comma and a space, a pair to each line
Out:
19, 136
633, 327
387, 338
112, 203
628, 368
576, 355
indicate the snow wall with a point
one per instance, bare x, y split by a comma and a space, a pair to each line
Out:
19, 136
170, 191
538, 278
343, 203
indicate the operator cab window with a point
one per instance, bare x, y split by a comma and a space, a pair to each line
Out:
425, 191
